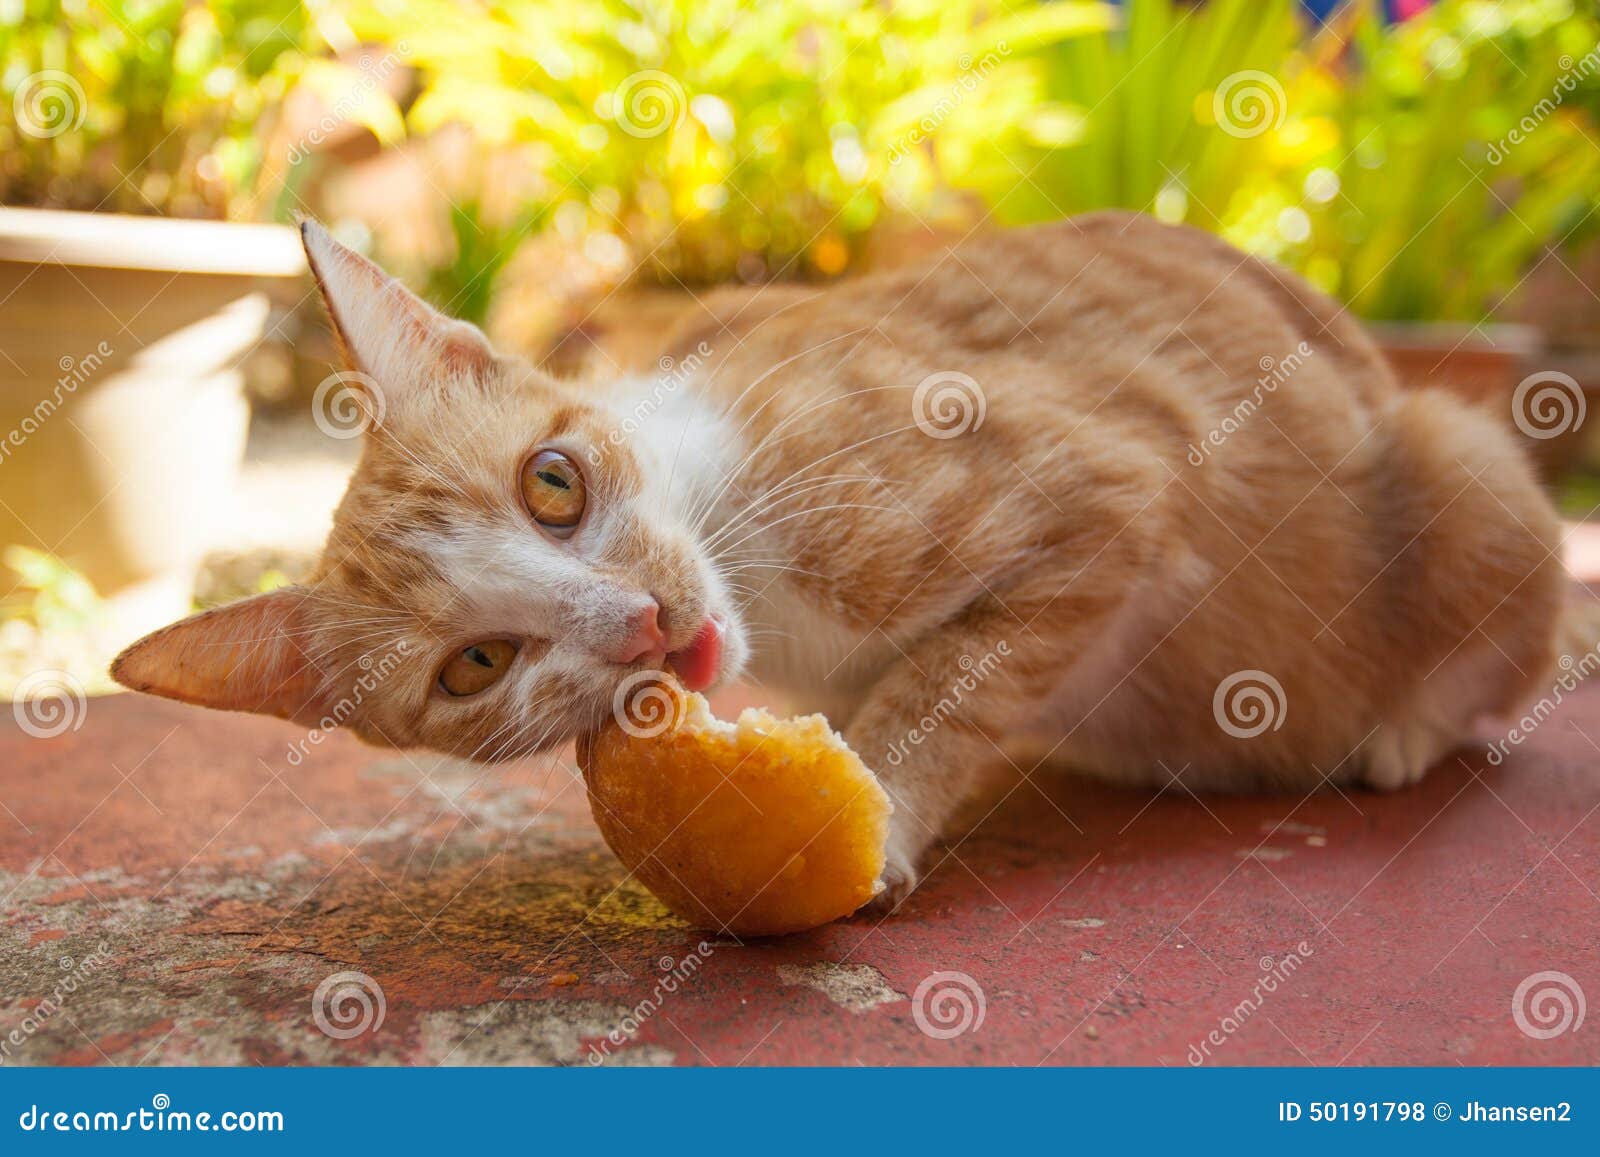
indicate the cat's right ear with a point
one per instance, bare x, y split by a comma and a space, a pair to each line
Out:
252, 655
388, 332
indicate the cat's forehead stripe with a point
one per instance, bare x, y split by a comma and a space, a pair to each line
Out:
564, 420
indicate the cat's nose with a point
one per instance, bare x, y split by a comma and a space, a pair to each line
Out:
644, 635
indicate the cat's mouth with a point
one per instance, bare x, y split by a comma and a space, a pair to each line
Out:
698, 665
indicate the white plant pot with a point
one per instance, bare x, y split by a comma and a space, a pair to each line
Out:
122, 411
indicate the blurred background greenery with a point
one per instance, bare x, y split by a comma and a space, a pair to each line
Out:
563, 171
696, 141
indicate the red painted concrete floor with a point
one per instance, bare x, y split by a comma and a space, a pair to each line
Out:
175, 891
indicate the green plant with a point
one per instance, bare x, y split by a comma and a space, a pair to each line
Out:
47, 592
1128, 117
52, 624
1453, 149
464, 285
716, 138
143, 106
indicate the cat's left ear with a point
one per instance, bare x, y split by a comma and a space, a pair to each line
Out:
388, 332
253, 655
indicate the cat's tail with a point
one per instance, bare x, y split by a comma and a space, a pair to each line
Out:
1579, 635
1489, 589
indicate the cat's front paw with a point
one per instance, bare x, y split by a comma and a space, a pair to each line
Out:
900, 878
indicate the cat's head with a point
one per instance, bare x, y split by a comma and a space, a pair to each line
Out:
501, 564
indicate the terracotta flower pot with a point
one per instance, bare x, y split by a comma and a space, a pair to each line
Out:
1486, 366
122, 414
1481, 364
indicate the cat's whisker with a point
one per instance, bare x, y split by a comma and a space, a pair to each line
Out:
514, 728
738, 470
332, 674
781, 365
750, 334
771, 439
296, 632
345, 604
547, 732
854, 446
779, 566
790, 485
416, 460
816, 510
494, 740
770, 501
750, 555
512, 742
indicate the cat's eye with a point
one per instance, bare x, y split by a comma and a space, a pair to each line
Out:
553, 490
478, 667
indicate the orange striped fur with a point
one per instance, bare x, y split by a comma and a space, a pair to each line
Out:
1142, 514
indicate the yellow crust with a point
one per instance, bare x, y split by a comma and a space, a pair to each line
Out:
759, 827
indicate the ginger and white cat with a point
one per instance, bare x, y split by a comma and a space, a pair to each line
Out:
1043, 486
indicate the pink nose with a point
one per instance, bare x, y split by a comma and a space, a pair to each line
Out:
644, 635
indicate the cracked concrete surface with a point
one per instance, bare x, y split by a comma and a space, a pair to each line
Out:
858, 987
174, 891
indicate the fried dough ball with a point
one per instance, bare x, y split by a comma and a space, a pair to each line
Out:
758, 827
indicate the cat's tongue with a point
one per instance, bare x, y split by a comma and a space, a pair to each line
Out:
697, 664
